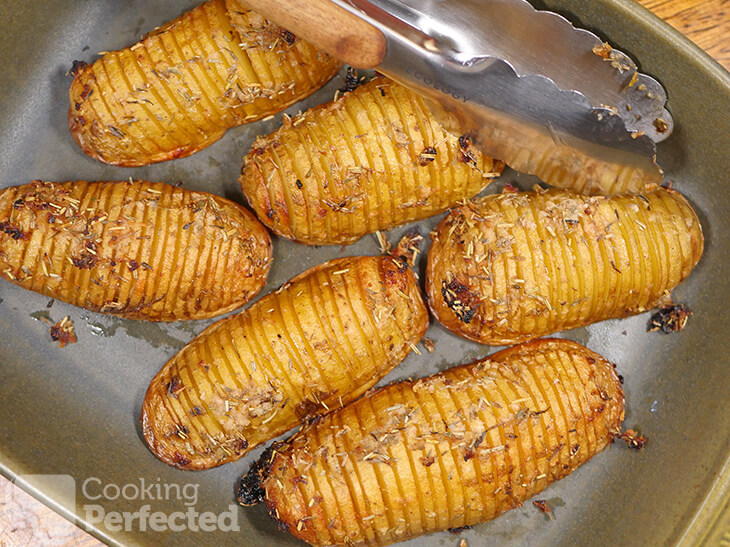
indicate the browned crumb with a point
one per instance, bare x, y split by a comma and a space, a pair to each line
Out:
633, 439
462, 301
459, 530
661, 125
429, 345
544, 507
463, 543
63, 332
174, 386
467, 151
427, 156
352, 80
12, 231
670, 319
604, 50
407, 249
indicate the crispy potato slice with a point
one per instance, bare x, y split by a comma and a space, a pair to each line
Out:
183, 85
516, 266
443, 452
316, 344
137, 250
371, 160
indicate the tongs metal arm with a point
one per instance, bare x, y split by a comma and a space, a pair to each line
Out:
560, 112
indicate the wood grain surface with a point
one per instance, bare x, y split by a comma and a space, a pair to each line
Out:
25, 522
705, 22
329, 27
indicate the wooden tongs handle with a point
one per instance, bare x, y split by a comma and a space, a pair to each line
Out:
328, 27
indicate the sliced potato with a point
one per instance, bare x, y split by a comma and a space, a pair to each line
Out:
371, 160
183, 85
443, 452
516, 266
316, 344
137, 250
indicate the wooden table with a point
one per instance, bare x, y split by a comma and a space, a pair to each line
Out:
705, 22
26, 522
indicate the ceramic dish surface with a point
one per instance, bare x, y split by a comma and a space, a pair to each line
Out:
75, 411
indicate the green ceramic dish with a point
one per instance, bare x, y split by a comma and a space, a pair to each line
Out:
74, 411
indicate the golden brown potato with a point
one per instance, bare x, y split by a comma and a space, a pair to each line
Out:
371, 160
183, 85
448, 451
137, 250
516, 266
316, 344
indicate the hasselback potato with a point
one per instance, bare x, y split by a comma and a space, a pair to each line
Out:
371, 160
183, 85
443, 452
317, 343
516, 266
137, 250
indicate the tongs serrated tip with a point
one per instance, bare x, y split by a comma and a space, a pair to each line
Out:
548, 98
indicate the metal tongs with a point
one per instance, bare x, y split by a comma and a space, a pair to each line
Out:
529, 88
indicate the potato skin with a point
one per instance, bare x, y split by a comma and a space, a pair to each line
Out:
137, 250
443, 452
516, 266
371, 160
319, 342
183, 85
